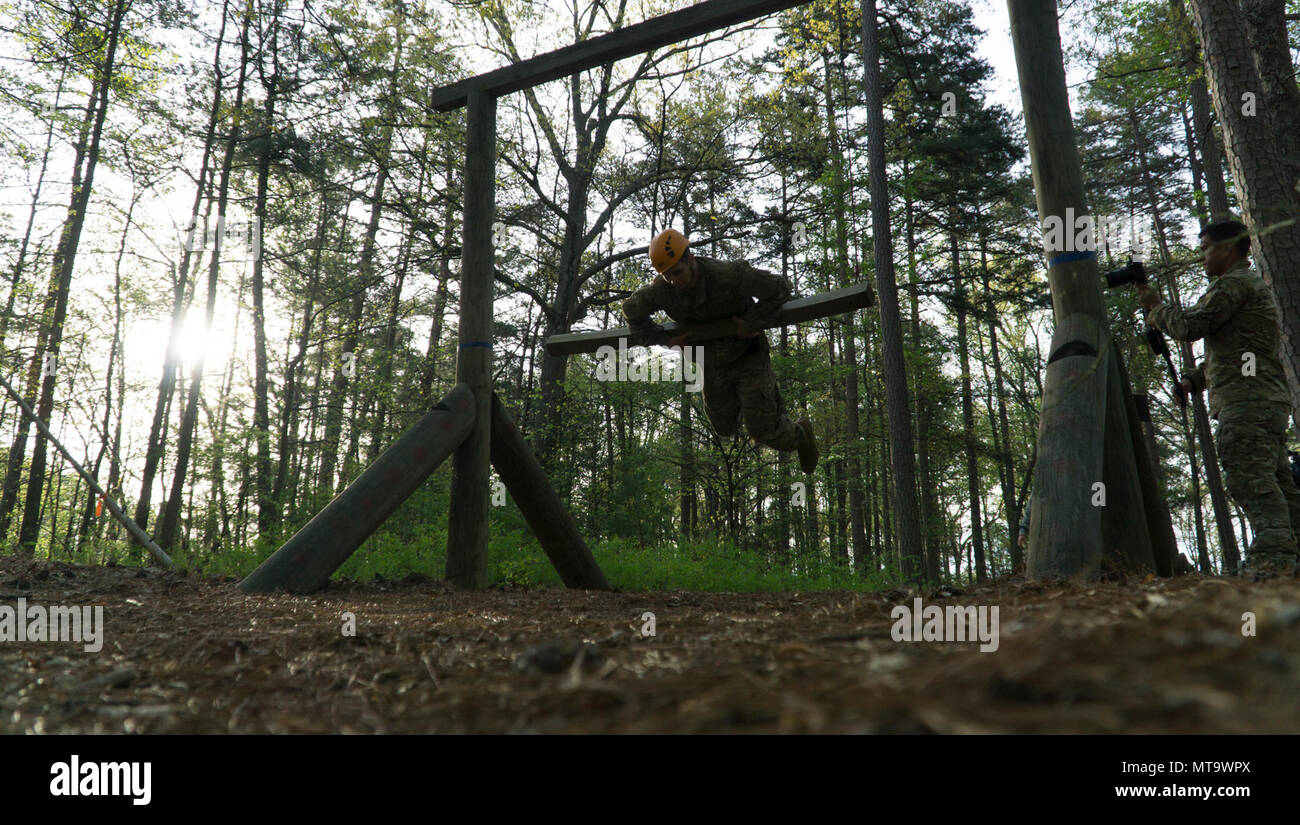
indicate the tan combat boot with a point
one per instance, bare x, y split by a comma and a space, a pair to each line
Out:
807, 446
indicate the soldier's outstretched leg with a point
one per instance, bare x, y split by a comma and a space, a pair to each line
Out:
721, 401
764, 410
1248, 440
761, 401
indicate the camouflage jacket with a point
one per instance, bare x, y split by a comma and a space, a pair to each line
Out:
1238, 318
721, 290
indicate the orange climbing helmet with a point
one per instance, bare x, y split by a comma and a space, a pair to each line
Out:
667, 248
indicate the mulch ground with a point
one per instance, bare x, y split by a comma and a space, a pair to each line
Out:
184, 654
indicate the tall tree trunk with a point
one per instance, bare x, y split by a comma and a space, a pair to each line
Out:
262, 476
366, 269
1009, 501
932, 532
686, 476
24, 244
65, 258
1206, 142
289, 414
351, 343
114, 356
906, 521
217, 479
1270, 46
846, 276
180, 286
967, 407
384, 391
444, 278
167, 530
22, 428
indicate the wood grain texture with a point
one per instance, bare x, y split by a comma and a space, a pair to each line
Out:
304, 563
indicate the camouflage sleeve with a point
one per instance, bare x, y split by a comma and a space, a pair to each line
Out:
1214, 309
637, 309
771, 291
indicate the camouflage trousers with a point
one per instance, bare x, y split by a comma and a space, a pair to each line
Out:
1252, 449
748, 385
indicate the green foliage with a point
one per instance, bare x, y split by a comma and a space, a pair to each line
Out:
515, 559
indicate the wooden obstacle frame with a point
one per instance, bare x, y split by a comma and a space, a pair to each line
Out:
470, 425
475, 430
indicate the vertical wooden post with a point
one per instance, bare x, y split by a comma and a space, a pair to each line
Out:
467, 528
1065, 517
1066, 473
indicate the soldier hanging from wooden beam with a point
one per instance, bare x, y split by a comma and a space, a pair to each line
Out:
738, 376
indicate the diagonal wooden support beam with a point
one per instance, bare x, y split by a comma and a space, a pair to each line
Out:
822, 305
542, 508
628, 41
305, 562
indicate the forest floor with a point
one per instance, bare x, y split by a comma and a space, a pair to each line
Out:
184, 654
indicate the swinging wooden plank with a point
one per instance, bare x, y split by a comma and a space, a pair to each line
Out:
796, 311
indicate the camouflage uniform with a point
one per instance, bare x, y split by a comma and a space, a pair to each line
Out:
1238, 315
737, 371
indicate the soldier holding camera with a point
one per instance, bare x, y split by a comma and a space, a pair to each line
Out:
1248, 395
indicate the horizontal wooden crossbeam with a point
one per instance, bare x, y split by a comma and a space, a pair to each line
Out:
628, 41
792, 312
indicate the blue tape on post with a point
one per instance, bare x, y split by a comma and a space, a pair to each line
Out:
1069, 258
487, 344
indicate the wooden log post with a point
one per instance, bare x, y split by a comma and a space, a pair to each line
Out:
305, 562
542, 508
467, 528
1065, 530
796, 311
1075, 285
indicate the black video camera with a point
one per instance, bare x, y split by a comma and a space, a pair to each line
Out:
1131, 273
